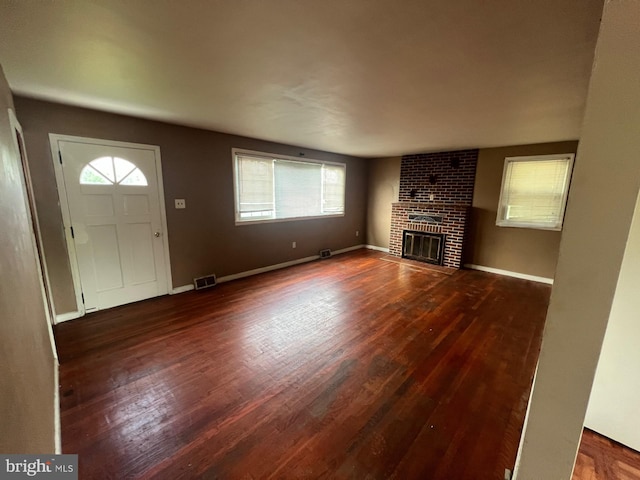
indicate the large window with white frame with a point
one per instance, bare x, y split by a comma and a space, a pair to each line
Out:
272, 188
534, 191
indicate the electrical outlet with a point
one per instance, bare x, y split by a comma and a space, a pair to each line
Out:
357, 233
293, 244
431, 197
181, 203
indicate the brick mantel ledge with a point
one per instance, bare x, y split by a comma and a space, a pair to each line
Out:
434, 205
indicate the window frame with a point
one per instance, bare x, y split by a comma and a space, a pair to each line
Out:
501, 221
288, 158
115, 182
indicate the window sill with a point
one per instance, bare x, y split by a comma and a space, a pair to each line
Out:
531, 226
292, 219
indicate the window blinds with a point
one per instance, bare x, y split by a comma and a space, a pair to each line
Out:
270, 188
298, 188
254, 185
534, 192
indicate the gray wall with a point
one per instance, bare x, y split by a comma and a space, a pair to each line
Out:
196, 166
27, 382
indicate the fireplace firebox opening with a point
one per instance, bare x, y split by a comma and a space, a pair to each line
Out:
423, 246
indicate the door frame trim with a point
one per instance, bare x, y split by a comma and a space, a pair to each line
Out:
16, 128
45, 286
54, 138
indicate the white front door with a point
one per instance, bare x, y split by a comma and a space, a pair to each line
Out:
115, 219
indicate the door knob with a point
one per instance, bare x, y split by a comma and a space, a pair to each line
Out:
157, 234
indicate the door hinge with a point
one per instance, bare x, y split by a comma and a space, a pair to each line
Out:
82, 295
72, 234
60, 156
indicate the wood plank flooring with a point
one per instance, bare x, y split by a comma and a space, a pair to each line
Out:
351, 367
600, 458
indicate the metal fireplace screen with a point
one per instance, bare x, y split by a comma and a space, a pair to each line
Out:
423, 246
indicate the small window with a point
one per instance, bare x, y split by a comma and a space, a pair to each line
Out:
110, 171
272, 188
534, 191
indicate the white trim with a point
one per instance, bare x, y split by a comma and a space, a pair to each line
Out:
498, 271
65, 317
163, 217
66, 223
278, 266
379, 249
182, 289
54, 140
57, 426
43, 275
257, 271
42, 261
348, 249
525, 424
288, 219
280, 156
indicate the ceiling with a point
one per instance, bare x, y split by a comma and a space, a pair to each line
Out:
369, 78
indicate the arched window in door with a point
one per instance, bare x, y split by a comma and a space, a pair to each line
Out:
112, 171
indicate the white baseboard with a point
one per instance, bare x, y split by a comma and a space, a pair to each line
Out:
182, 289
379, 249
257, 271
348, 249
65, 317
278, 266
507, 273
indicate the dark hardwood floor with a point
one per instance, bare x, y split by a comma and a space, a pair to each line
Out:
600, 458
351, 367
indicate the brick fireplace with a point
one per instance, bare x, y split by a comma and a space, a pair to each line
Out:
436, 191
